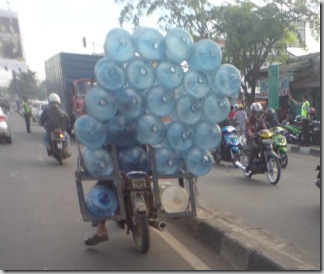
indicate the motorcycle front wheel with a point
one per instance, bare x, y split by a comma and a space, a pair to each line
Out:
59, 157
141, 233
273, 171
284, 159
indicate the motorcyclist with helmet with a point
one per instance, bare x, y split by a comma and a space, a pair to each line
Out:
270, 118
54, 117
254, 123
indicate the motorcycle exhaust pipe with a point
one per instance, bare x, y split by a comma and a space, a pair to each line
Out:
238, 164
160, 225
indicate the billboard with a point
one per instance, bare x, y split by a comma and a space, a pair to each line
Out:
11, 49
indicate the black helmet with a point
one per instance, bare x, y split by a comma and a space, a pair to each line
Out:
270, 112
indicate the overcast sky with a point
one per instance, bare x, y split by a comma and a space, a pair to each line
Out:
51, 26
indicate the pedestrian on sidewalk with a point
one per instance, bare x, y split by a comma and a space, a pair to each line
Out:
27, 113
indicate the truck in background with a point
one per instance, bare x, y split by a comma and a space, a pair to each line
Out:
71, 76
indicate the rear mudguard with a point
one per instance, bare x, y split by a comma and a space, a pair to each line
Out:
138, 202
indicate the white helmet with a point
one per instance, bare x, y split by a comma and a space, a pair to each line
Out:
256, 107
54, 98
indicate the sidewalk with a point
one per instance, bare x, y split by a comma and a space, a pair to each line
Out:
312, 150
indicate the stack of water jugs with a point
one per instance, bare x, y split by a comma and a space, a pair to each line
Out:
164, 91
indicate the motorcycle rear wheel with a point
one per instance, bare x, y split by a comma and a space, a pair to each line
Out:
141, 233
273, 171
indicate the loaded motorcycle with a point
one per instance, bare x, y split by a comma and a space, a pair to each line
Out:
230, 146
266, 161
59, 146
280, 144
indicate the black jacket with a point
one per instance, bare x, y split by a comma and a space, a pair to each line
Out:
54, 117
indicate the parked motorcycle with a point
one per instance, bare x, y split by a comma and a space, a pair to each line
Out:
230, 146
59, 146
267, 160
280, 144
318, 178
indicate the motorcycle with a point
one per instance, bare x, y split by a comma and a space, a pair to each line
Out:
59, 146
230, 146
280, 144
294, 132
318, 178
267, 160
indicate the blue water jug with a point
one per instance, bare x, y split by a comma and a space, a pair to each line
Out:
227, 79
167, 160
150, 130
90, 132
180, 136
198, 161
179, 44
169, 74
216, 108
100, 104
207, 135
109, 74
150, 43
206, 55
119, 45
97, 162
140, 74
160, 101
133, 159
196, 83
130, 103
121, 131
188, 109
101, 201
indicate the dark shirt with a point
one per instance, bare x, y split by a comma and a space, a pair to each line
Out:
54, 117
253, 125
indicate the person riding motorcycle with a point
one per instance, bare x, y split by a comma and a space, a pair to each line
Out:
254, 124
54, 117
270, 118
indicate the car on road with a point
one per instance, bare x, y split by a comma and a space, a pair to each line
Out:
37, 108
5, 133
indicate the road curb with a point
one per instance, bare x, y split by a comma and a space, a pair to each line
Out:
314, 151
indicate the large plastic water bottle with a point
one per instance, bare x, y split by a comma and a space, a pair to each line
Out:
227, 79
179, 44
180, 136
100, 104
207, 135
196, 83
133, 159
168, 161
198, 161
90, 132
109, 74
130, 103
121, 131
101, 201
119, 45
188, 109
150, 130
206, 55
216, 108
140, 74
174, 199
169, 74
150, 43
97, 162
160, 101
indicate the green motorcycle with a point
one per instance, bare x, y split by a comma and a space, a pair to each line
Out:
280, 144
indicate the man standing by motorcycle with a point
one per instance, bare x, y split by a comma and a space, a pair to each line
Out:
270, 118
240, 117
253, 124
54, 117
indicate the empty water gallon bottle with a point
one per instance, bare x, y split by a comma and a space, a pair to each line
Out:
207, 135
196, 83
130, 103
109, 74
168, 161
216, 108
133, 159
121, 131
180, 136
227, 79
100, 104
179, 44
140, 74
150, 130
90, 132
97, 162
206, 55
174, 199
169, 74
198, 161
188, 109
150, 43
119, 45
101, 201
160, 101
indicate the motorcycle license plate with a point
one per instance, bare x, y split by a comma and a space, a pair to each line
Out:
59, 145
